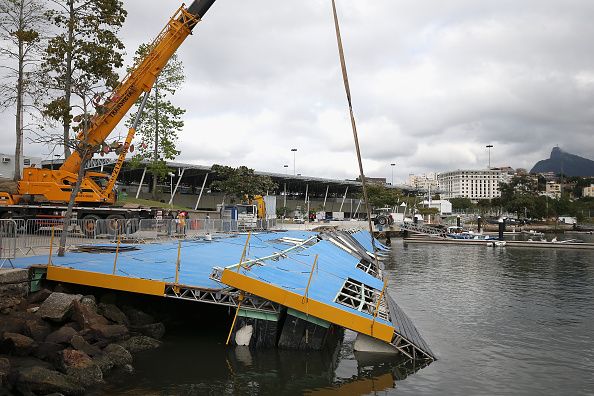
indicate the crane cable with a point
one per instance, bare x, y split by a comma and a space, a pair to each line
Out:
354, 126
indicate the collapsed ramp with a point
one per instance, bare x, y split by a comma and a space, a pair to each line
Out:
407, 338
325, 282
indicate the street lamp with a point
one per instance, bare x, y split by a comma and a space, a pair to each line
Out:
285, 196
489, 146
392, 165
171, 174
294, 150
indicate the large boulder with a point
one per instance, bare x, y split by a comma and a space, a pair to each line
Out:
82, 345
37, 329
108, 333
140, 343
61, 336
16, 344
40, 380
113, 313
57, 306
80, 367
39, 296
86, 315
153, 330
48, 350
11, 324
118, 355
138, 317
4, 370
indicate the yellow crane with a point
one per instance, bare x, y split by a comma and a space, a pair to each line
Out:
97, 189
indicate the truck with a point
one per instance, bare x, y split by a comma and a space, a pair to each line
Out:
45, 193
251, 211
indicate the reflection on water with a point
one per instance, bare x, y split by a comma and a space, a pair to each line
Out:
199, 365
501, 321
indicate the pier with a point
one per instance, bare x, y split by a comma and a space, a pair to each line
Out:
291, 289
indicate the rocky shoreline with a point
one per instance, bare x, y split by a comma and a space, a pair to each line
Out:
57, 342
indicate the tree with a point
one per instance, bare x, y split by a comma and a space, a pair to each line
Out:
20, 28
380, 196
240, 182
461, 203
82, 58
160, 120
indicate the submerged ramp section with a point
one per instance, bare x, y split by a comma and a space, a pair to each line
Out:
407, 338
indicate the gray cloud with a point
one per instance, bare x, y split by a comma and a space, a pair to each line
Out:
433, 82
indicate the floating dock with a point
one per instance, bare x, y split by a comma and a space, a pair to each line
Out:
511, 244
295, 284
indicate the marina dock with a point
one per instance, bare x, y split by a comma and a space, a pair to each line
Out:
322, 281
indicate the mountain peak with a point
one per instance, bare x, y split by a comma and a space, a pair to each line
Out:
566, 163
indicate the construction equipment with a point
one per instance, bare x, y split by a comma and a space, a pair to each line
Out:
54, 187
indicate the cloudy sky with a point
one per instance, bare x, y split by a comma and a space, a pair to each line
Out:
433, 82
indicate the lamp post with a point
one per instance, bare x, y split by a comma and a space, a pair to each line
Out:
285, 196
171, 174
392, 166
489, 146
294, 150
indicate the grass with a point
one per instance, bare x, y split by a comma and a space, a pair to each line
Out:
148, 203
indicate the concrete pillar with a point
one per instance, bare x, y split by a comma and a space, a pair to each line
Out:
479, 224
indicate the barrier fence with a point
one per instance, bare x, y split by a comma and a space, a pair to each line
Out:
30, 236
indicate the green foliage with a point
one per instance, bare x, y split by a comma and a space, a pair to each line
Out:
461, 203
380, 196
160, 120
428, 211
82, 58
240, 182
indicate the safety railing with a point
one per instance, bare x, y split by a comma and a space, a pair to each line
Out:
31, 236
8, 240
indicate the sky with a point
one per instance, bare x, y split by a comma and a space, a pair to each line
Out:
433, 82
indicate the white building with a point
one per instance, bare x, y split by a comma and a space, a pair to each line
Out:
7, 164
473, 184
588, 191
425, 181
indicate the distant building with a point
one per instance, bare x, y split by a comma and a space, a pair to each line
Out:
7, 164
472, 184
425, 181
588, 191
553, 189
549, 176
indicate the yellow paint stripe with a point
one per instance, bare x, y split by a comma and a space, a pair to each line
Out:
96, 279
308, 306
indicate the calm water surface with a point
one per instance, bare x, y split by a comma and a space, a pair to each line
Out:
502, 321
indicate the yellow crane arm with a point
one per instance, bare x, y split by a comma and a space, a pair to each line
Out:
140, 79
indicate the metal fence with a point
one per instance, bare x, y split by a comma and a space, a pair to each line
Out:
8, 240
34, 235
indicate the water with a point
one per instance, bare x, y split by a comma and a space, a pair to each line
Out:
502, 321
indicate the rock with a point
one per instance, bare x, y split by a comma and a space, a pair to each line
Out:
154, 330
32, 309
80, 367
37, 329
57, 306
61, 336
89, 301
104, 363
86, 316
39, 296
138, 317
11, 324
48, 350
108, 298
113, 313
80, 344
118, 355
140, 343
16, 344
7, 303
13, 275
43, 381
109, 332
4, 370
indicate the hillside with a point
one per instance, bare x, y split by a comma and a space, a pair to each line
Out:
568, 164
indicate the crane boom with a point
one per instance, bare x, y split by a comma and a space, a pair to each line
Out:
56, 185
141, 78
